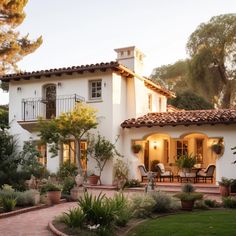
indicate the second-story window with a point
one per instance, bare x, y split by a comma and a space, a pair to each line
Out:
95, 89
150, 102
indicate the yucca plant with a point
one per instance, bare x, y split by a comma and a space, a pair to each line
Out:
74, 218
8, 203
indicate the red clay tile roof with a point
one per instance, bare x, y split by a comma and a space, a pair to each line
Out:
114, 65
60, 71
197, 117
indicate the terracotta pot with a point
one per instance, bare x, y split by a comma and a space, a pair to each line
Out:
224, 191
54, 196
187, 205
93, 179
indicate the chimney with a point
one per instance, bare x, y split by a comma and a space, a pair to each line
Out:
131, 57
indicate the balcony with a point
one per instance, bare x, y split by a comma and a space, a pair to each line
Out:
33, 108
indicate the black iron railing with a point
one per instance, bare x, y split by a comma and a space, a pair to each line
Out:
33, 108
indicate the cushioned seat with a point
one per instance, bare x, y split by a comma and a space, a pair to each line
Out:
162, 173
207, 173
144, 173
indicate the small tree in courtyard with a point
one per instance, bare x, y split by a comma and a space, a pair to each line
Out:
101, 150
71, 125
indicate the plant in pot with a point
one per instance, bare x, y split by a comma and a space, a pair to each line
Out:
92, 178
136, 148
53, 192
218, 147
188, 196
101, 151
224, 186
186, 162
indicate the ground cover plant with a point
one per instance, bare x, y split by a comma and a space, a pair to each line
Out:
220, 222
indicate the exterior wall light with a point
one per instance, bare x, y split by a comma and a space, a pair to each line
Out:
155, 145
18, 89
59, 84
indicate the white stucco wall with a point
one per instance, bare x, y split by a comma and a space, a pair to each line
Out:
224, 166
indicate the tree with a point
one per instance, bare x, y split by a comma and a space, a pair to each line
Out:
212, 47
9, 159
188, 100
71, 125
13, 47
101, 150
173, 76
3, 117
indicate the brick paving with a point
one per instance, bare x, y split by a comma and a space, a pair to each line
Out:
32, 223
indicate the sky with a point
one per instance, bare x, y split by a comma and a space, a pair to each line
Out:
77, 32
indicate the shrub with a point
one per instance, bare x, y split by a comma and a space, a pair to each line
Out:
189, 196
163, 202
68, 184
121, 206
142, 205
74, 218
49, 187
225, 182
132, 183
201, 205
8, 203
98, 210
188, 188
229, 202
67, 169
26, 198
211, 203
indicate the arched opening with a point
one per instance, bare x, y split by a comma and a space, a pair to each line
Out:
49, 92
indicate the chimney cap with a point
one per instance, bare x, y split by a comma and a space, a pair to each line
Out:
132, 48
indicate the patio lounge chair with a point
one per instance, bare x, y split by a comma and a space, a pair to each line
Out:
162, 173
207, 173
144, 172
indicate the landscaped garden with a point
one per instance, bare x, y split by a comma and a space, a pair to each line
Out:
218, 222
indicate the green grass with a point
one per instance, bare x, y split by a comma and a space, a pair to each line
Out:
222, 223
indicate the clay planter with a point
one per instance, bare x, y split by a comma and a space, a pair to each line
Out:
54, 197
187, 205
93, 179
224, 191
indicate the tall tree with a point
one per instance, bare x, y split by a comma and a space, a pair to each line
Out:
173, 76
13, 47
72, 125
212, 47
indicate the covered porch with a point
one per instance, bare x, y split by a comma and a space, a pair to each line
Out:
166, 150
167, 135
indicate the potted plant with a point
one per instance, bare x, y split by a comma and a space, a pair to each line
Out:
186, 162
101, 151
188, 196
137, 148
218, 147
92, 178
224, 186
53, 193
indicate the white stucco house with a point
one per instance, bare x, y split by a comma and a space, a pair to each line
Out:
128, 105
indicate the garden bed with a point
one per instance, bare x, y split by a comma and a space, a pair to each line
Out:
61, 229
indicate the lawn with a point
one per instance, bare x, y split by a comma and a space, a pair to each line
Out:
220, 222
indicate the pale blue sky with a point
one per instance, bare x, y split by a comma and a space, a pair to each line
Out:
81, 32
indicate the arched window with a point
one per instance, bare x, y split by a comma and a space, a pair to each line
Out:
50, 100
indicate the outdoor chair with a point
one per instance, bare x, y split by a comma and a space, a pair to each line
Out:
163, 174
207, 173
144, 172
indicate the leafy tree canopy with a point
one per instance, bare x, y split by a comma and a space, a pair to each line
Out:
188, 100
71, 125
13, 47
212, 47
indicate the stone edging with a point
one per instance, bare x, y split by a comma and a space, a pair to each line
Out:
27, 209
54, 230
20, 211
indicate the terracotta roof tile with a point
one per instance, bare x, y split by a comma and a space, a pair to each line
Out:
196, 117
